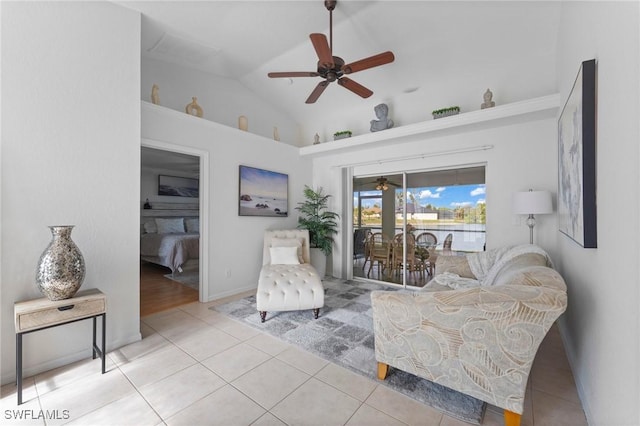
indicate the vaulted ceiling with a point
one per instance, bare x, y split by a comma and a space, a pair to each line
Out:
476, 42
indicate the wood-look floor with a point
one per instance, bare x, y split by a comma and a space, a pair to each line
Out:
158, 293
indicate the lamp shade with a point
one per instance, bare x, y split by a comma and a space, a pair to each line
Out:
532, 202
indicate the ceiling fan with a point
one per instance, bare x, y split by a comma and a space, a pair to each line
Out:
332, 68
383, 184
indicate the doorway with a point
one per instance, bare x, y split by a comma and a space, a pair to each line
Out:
403, 221
173, 218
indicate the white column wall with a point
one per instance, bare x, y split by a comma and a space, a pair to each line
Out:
70, 155
601, 326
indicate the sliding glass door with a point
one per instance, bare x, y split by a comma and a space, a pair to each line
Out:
403, 221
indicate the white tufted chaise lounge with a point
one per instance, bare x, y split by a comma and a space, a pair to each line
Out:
288, 286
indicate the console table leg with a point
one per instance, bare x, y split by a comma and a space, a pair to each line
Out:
19, 366
93, 346
104, 341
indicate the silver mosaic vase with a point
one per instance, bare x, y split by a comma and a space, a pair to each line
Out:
61, 267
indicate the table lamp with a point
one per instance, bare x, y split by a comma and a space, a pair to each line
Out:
532, 202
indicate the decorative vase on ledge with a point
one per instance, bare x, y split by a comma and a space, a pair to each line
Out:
61, 267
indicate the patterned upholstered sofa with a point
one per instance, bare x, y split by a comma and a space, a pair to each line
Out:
480, 341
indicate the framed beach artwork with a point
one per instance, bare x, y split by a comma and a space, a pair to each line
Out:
177, 186
263, 193
577, 160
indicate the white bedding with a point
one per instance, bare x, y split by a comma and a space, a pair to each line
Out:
170, 250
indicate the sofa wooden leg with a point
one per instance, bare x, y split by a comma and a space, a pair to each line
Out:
383, 369
263, 316
511, 418
316, 312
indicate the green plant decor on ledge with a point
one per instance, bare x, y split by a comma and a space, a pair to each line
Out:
342, 134
445, 112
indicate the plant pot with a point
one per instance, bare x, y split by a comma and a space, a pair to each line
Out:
444, 114
318, 261
336, 137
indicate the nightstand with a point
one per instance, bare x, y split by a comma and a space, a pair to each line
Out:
40, 314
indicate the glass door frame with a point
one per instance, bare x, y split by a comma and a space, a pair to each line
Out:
350, 227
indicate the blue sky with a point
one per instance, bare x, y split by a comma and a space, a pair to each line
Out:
446, 196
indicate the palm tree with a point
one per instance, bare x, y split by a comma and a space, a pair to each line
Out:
315, 217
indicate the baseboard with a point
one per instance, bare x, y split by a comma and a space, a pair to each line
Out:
566, 342
116, 344
233, 292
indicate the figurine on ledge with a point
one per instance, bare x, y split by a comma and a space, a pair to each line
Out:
382, 122
488, 103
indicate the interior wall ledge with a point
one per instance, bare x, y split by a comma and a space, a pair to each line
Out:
178, 115
528, 110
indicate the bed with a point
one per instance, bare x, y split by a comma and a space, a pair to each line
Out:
170, 241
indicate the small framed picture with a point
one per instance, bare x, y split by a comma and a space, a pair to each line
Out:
176, 186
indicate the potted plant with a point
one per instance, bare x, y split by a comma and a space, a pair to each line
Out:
342, 134
321, 224
445, 112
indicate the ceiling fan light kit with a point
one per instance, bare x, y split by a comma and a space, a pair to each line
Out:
333, 68
382, 184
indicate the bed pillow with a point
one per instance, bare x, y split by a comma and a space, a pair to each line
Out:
193, 225
150, 227
170, 226
284, 255
289, 242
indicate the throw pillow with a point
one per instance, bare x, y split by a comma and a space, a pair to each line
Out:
454, 265
289, 242
150, 227
509, 272
284, 255
170, 226
193, 225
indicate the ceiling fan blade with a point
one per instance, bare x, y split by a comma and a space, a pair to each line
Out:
356, 88
317, 92
293, 74
323, 50
370, 62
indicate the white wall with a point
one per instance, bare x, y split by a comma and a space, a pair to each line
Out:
222, 100
523, 156
235, 242
601, 326
461, 86
70, 155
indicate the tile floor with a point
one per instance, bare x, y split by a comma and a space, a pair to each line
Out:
195, 366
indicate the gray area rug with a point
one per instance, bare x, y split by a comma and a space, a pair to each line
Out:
190, 279
343, 334
190, 275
